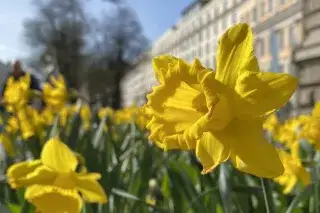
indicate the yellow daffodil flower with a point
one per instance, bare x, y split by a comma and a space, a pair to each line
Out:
316, 111
55, 93
220, 114
311, 127
288, 133
16, 94
106, 111
52, 183
64, 114
125, 115
12, 125
293, 171
25, 123
85, 114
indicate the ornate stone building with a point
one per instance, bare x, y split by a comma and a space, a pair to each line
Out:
307, 58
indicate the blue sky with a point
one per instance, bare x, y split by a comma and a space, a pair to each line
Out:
155, 15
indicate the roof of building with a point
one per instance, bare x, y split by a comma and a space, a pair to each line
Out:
187, 9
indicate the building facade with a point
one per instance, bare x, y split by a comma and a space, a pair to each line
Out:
138, 81
276, 23
307, 58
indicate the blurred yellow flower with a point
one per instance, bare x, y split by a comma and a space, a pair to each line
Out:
293, 171
7, 144
220, 114
85, 114
25, 123
311, 127
288, 133
12, 125
151, 200
64, 114
52, 183
47, 116
124, 115
37, 120
55, 93
272, 123
106, 111
16, 94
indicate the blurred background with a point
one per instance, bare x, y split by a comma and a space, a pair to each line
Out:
104, 48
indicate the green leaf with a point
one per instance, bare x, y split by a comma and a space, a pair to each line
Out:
20, 194
54, 131
14, 208
74, 132
225, 187
87, 208
125, 194
99, 133
165, 186
26, 207
267, 193
302, 196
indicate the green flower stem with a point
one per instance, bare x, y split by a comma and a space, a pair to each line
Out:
267, 194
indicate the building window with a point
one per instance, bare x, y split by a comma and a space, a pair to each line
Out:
270, 2
281, 68
262, 8
216, 11
292, 36
215, 29
280, 39
224, 24
199, 51
225, 5
234, 17
254, 15
208, 17
207, 63
208, 48
208, 33
214, 46
248, 17
261, 46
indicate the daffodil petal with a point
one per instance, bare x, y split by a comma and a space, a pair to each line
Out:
250, 151
53, 199
262, 93
18, 170
90, 188
41, 175
174, 109
289, 185
235, 54
57, 156
161, 66
211, 152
